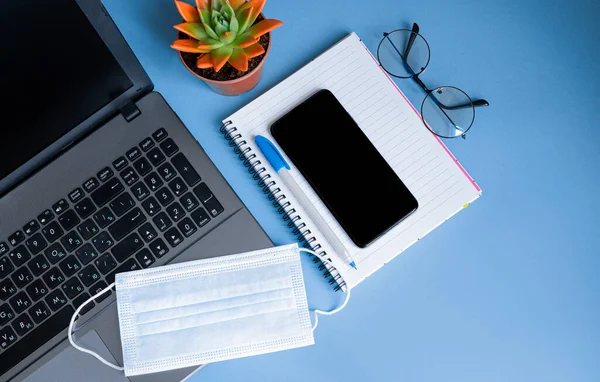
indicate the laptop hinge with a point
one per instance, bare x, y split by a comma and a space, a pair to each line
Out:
130, 111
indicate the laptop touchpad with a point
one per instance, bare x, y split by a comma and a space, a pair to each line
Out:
71, 364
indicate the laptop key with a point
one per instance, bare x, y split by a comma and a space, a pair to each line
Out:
7, 337
127, 266
189, 201
71, 241
164, 196
159, 248
60, 206
36, 243
173, 237
107, 192
39, 312
57, 300
169, 147
186, 170
200, 217
72, 288
76, 195
156, 156
5, 267
97, 288
105, 174
105, 263
6, 314
151, 206
102, 241
88, 229
104, 217
145, 258
20, 302
208, 199
147, 232
70, 265
120, 163
45, 217
7, 289
153, 181
127, 223
133, 154
38, 265
19, 255
53, 278
162, 221
187, 227
175, 211
37, 290
68, 220
127, 247
86, 253
142, 166
80, 300
159, 134
22, 324
31, 227
54, 253
91, 184
122, 204
89, 275
52, 232
147, 144
167, 171
178, 187
129, 176
16, 238
3, 248
85, 208
21, 277
140, 191
36, 338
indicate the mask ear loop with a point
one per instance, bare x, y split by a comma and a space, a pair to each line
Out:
72, 341
343, 275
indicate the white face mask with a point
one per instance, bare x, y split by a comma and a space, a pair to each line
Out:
211, 310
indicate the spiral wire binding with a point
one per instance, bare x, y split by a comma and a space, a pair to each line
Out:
279, 200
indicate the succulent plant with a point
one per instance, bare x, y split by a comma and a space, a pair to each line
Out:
223, 31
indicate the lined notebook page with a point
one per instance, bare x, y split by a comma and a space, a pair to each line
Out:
440, 184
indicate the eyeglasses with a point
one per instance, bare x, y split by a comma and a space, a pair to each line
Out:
447, 111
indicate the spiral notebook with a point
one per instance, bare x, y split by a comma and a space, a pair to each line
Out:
433, 175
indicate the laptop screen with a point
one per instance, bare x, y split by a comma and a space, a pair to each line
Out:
55, 73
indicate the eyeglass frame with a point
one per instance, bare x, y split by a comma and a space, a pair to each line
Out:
415, 76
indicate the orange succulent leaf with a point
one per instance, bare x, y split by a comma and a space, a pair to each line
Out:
263, 27
204, 61
244, 40
187, 45
220, 56
235, 4
194, 30
239, 60
187, 11
244, 19
257, 7
254, 50
202, 4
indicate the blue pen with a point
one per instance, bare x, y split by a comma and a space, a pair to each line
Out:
282, 168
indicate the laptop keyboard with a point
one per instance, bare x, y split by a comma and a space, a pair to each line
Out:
123, 218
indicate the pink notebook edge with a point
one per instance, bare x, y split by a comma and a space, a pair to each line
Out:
469, 177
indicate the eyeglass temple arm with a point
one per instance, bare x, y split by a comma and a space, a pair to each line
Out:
475, 103
411, 40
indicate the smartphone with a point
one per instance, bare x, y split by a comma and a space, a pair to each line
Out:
334, 155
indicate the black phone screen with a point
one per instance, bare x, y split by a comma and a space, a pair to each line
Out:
341, 164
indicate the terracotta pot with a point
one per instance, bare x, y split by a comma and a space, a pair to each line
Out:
238, 86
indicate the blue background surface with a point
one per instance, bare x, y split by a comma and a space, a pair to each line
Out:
508, 289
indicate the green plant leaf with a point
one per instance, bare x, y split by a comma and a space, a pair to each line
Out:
228, 37
235, 4
220, 29
239, 60
244, 18
194, 30
210, 31
205, 16
220, 56
234, 25
210, 46
244, 40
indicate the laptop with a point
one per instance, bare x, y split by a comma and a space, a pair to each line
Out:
97, 176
